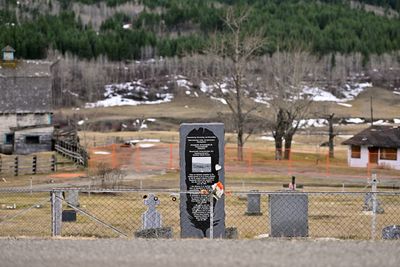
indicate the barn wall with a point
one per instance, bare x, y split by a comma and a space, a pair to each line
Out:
8, 121
45, 140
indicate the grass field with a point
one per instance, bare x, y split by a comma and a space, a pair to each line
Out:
333, 215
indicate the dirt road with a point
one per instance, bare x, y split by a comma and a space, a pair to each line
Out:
120, 253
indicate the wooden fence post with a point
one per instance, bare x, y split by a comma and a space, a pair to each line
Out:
53, 163
16, 166
34, 164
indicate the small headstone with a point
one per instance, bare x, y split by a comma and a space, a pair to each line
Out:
253, 204
288, 214
231, 233
72, 198
164, 232
368, 204
151, 218
201, 165
391, 232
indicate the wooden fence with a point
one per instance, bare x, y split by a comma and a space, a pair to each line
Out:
72, 151
23, 165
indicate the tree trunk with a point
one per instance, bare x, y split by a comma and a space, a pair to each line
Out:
240, 145
288, 145
278, 147
331, 137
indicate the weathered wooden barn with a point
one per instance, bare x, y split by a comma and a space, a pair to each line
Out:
376, 145
25, 105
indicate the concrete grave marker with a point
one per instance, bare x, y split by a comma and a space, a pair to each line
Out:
151, 218
72, 197
202, 165
288, 214
254, 204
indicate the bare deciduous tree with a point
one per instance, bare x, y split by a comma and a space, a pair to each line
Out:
232, 76
289, 103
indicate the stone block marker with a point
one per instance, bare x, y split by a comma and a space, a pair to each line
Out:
202, 165
254, 204
288, 214
72, 197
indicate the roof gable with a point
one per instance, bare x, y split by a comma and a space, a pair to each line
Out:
8, 49
376, 136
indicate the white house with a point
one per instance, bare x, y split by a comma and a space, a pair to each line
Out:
377, 145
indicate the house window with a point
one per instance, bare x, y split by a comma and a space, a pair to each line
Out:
355, 152
32, 139
388, 153
9, 139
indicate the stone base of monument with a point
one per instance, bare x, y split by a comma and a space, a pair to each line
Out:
231, 233
163, 232
391, 232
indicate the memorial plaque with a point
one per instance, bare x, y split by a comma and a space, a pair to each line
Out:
201, 163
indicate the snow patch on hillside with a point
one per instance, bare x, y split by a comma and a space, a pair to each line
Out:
349, 92
131, 94
138, 92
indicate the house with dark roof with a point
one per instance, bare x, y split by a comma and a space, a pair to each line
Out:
25, 105
376, 145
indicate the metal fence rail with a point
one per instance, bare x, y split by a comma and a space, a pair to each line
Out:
248, 215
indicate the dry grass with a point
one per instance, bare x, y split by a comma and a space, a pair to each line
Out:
336, 216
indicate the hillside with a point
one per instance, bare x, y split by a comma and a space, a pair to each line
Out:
122, 29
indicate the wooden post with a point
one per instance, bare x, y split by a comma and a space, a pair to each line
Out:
16, 166
34, 164
170, 157
53, 163
327, 165
138, 159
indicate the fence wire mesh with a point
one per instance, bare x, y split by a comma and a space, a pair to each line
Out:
248, 215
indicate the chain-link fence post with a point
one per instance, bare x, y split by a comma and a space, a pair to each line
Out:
56, 212
211, 216
374, 186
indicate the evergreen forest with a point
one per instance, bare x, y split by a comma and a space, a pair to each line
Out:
170, 28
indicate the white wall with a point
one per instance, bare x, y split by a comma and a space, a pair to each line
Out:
358, 162
393, 164
362, 162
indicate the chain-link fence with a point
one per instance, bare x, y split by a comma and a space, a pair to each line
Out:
248, 215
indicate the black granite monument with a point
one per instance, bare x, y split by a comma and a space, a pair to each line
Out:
202, 165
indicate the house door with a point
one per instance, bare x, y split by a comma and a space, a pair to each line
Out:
373, 154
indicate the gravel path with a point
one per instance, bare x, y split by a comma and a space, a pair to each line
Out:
120, 253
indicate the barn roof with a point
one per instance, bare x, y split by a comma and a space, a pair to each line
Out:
26, 88
377, 136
